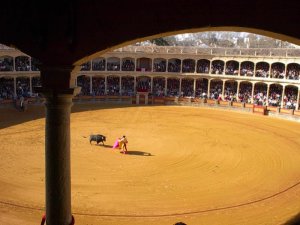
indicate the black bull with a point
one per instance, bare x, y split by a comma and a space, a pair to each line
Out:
97, 138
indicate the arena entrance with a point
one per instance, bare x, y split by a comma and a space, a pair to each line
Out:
142, 98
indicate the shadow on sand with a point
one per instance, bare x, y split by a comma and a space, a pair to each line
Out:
140, 153
293, 221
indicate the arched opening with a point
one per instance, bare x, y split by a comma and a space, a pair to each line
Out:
247, 69
113, 64
6, 88
232, 67
260, 94
22, 63
6, 63
203, 66
23, 87
143, 84
113, 85
188, 66
160, 65
278, 70
174, 65
99, 64
216, 87
293, 71
187, 87
201, 88
262, 69
127, 83
128, 64
86, 66
275, 95
98, 85
159, 86
173, 85
245, 92
144, 64
217, 67
83, 81
290, 97
230, 90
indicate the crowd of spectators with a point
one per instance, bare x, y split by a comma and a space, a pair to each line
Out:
188, 66
127, 86
173, 87
245, 92
174, 66
216, 90
217, 67
203, 66
6, 88
277, 71
262, 70
201, 88
128, 65
84, 83
247, 69
113, 66
260, 94
6, 64
275, 95
143, 84
159, 86
113, 85
187, 87
230, 91
99, 64
290, 98
293, 71
159, 66
98, 88
232, 68
22, 63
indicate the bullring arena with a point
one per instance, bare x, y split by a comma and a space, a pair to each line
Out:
204, 146
193, 164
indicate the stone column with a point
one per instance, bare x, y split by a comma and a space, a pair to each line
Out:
166, 86
194, 88
91, 85
180, 82
208, 89
237, 91
105, 85
297, 106
57, 152
151, 85
223, 89
268, 90
137, 98
15, 86
30, 64
282, 96
134, 85
120, 86
14, 64
30, 84
252, 93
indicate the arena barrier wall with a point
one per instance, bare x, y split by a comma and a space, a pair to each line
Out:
262, 110
273, 111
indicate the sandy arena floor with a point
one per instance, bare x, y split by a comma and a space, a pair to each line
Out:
196, 165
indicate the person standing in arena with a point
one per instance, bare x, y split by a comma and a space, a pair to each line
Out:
123, 143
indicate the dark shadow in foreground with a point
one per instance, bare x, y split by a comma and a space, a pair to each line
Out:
293, 221
140, 153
